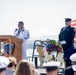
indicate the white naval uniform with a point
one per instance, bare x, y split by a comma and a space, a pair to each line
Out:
24, 35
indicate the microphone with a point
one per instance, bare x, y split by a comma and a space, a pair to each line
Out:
15, 30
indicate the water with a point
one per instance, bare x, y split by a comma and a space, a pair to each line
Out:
30, 52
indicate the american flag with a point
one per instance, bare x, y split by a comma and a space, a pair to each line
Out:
73, 24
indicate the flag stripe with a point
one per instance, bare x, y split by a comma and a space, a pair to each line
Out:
74, 24
73, 20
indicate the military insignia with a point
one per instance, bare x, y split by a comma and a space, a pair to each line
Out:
7, 48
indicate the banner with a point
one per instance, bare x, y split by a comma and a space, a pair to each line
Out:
73, 24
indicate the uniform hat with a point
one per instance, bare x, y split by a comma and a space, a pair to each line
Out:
50, 66
73, 58
67, 19
4, 61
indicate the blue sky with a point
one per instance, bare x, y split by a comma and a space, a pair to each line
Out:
41, 17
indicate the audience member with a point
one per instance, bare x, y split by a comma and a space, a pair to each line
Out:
23, 68
32, 66
11, 67
3, 64
72, 69
52, 68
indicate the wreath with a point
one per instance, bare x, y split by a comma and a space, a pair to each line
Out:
52, 50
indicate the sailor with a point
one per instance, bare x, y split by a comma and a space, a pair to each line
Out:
3, 64
23, 34
52, 68
72, 70
66, 38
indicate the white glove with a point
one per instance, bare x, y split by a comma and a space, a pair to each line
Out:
63, 42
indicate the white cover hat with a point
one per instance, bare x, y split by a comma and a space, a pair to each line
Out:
73, 58
4, 61
74, 67
51, 64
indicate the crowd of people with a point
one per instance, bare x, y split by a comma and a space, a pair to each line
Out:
9, 66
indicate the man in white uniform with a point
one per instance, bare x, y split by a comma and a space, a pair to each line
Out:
24, 35
51, 68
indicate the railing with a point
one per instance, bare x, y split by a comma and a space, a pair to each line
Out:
35, 59
35, 45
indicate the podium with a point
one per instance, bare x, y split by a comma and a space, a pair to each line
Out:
17, 53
